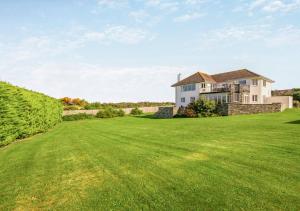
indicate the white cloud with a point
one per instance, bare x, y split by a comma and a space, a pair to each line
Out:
112, 3
194, 2
274, 6
139, 16
170, 6
119, 34
47, 47
105, 84
285, 36
257, 3
262, 34
188, 17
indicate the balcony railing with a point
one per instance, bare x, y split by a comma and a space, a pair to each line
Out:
235, 88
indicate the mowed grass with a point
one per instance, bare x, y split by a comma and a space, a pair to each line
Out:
138, 163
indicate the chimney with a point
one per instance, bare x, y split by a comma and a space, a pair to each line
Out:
178, 77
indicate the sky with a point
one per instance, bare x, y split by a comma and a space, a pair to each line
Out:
132, 50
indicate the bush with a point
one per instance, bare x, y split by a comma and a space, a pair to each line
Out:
296, 95
76, 117
296, 104
204, 107
24, 113
93, 106
200, 108
110, 113
136, 111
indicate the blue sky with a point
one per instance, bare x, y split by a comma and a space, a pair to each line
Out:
123, 50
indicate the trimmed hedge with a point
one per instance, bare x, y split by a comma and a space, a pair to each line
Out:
110, 113
24, 113
75, 117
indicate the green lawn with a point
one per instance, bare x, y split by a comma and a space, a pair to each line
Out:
138, 163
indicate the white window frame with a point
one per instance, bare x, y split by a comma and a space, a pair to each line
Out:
188, 87
255, 98
182, 99
264, 83
243, 82
256, 82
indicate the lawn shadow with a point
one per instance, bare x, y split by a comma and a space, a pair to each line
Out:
147, 116
294, 122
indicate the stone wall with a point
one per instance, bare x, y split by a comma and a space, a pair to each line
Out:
166, 112
238, 109
126, 110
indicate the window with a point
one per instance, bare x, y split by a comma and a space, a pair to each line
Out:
224, 99
265, 83
203, 85
183, 99
236, 97
189, 87
246, 99
254, 98
243, 82
192, 99
254, 82
228, 98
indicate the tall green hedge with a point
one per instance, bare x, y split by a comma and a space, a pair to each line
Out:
24, 113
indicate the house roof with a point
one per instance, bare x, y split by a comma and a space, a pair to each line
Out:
200, 77
237, 74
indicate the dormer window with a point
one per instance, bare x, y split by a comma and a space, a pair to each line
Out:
203, 85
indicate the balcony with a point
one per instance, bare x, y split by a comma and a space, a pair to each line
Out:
234, 88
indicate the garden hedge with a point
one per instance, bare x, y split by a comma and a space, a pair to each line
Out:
24, 113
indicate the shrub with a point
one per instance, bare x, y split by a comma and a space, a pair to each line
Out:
24, 113
190, 112
110, 113
200, 108
296, 95
75, 117
204, 107
93, 106
296, 104
136, 111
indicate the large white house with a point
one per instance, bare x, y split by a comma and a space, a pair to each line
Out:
240, 86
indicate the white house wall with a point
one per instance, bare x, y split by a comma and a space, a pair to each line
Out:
260, 91
187, 95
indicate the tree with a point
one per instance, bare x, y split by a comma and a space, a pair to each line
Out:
66, 100
79, 102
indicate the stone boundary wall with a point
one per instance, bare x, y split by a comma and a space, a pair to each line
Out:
126, 110
238, 109
166, 112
